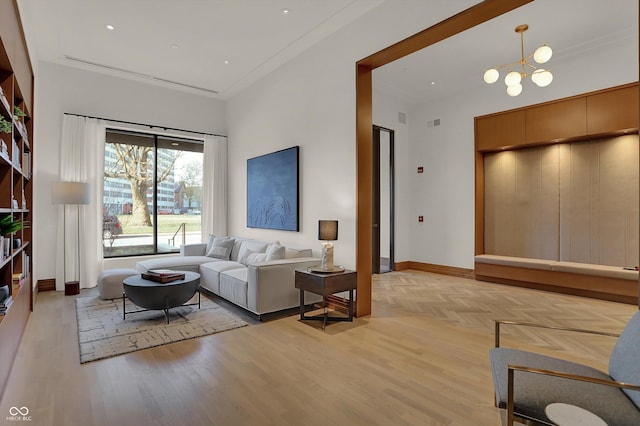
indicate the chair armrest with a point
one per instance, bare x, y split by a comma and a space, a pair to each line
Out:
549, 327
197, 249
510, 386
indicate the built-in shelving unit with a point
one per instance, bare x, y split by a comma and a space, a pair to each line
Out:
16, 183
594, 116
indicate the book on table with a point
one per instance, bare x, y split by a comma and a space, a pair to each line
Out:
163, 275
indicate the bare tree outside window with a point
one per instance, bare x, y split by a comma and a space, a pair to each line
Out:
152, 193
191, 183
135, 164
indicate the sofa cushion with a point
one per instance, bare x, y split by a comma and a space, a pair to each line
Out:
221, 248
275, 251
251, 246
256, 258
236, 247
234, 286
293, 252
176, 263
210, 273
221, 265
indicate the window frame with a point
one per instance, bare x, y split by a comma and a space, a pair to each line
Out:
155, 136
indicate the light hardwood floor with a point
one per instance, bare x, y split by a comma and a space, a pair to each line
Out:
420, 359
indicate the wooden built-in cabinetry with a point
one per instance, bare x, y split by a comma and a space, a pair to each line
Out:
591, 116
601, 113
16, 184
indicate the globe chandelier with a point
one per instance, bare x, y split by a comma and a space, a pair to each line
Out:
513, 79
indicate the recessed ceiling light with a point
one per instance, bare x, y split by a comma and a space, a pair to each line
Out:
285, 11
226, 62
110, 27
433, 83
174, 46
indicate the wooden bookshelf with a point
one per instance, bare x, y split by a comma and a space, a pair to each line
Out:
16, 184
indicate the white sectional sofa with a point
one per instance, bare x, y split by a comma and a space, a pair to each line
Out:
255, 275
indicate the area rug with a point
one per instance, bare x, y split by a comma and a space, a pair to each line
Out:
102, 333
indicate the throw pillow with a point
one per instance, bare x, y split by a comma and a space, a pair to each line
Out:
244, 256
275, 251
256, 258
210, 242
221, 248
250, 246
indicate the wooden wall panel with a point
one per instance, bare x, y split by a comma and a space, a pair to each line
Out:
574, 202
500, 131
556, 121
613, 110
521, 203
599, 194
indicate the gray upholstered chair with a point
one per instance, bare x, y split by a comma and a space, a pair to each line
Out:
526, 382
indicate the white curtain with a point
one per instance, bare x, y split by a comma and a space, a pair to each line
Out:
81, 160
214, 187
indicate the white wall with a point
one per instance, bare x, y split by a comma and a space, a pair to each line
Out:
385, 114
444, 194
60, 89
310, 102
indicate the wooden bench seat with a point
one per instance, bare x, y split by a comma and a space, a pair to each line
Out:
599, 281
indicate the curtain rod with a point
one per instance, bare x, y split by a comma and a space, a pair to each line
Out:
146, 125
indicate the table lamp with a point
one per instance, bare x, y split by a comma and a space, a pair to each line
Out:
327, 231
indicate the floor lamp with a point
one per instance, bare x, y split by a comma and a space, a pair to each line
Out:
70, 193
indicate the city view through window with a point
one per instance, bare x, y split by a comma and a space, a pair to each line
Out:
152, 193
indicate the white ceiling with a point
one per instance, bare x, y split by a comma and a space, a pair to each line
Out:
256, 37
253, 35
458, 63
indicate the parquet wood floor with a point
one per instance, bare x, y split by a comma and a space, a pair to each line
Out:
420, 359
475, 304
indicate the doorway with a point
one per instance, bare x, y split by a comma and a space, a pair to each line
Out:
383, 200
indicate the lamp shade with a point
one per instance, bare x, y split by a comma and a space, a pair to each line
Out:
328, 230
70, 193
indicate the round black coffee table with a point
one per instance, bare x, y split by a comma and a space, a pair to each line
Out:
152, 295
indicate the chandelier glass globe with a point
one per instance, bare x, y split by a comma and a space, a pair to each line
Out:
542, 54
514, 90
491, 76
542, 78
512, 78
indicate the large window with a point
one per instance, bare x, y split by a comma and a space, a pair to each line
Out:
152, 193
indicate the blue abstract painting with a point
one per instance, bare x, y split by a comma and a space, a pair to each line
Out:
272, 190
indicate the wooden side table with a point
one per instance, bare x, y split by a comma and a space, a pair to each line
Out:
325, 284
